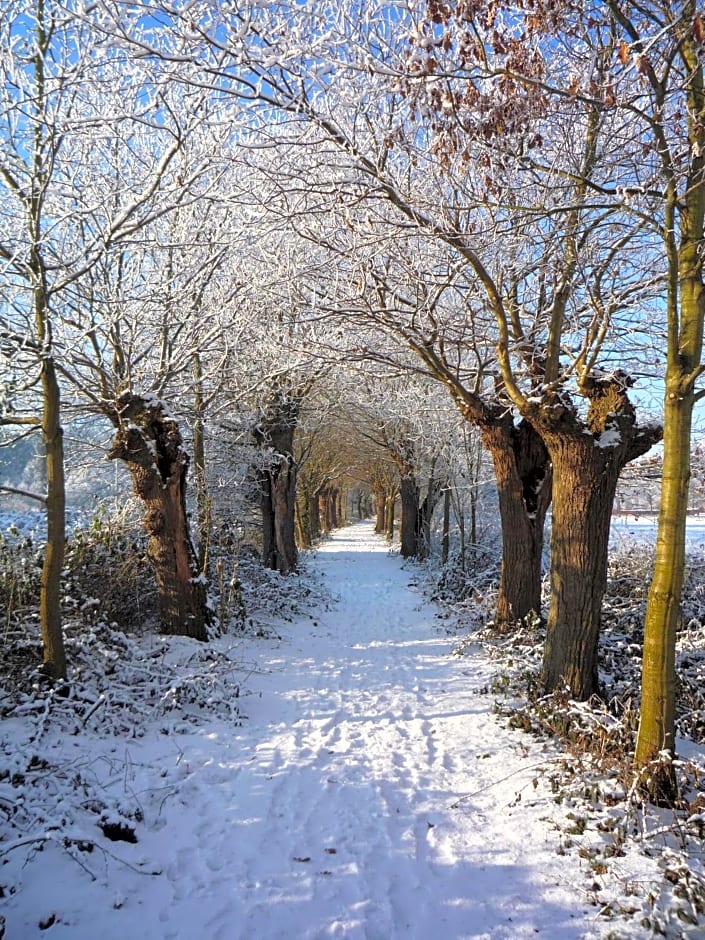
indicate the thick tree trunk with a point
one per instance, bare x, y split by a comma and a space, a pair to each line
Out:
523, 475
283, 482
150, 444
587, 460
278, 506
332, 494
50, 589
409, 516
278, 483
584, 484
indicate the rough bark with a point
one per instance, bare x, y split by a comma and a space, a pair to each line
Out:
277, 479
583, 490
409, 536
278, 506
587, 458
523, 474
282, 478
150, 444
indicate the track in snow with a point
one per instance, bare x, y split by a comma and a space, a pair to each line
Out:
330, 812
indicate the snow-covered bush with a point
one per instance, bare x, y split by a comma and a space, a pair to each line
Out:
108, 577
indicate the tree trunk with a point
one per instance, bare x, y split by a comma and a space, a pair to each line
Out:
523, 475
658, 703
50, 590
409, 516
389, 517
302, 536
584, 484
380, 508
341, 506
426, 510
360, 504
314, 516
323, 510
423, 539
283, 482
278, 483
445, 541
150, 444
332, 507
587, 460
278, 504
683, 230
305, 501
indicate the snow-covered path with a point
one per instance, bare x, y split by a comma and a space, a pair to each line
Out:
333, 810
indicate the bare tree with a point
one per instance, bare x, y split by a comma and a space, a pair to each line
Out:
458, 140
63, 101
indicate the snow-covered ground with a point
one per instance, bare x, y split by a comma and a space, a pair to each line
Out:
626, 528
370, 792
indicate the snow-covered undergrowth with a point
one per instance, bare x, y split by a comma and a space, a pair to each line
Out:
648, 862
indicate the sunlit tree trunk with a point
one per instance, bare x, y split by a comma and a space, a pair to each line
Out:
658, 697
150, 444
683, 231
588, 457
583, 491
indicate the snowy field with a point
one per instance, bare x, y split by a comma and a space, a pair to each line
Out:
643, 528
369, 793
